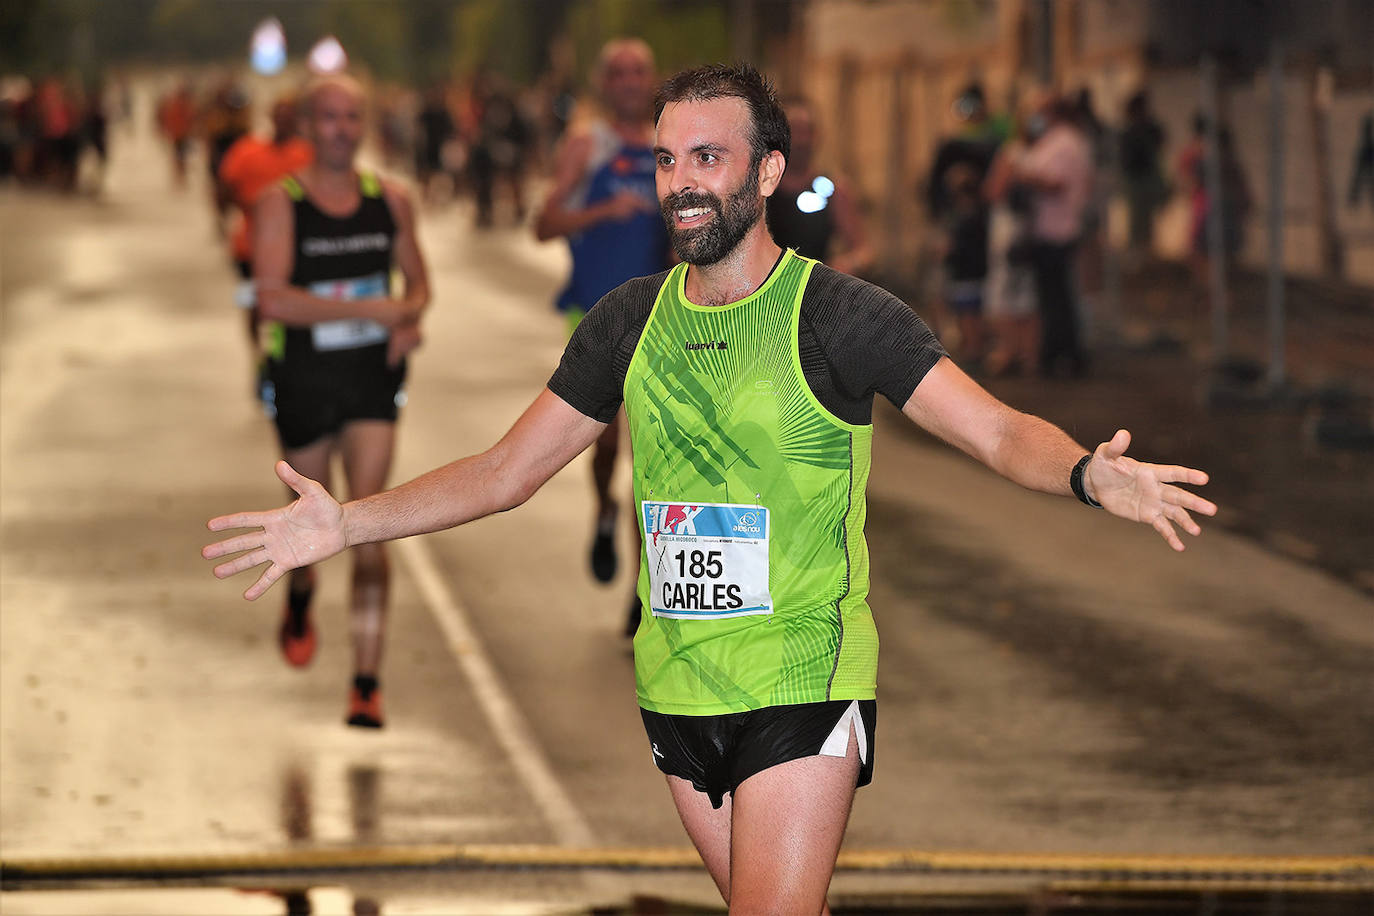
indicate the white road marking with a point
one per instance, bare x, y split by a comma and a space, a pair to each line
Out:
507, 722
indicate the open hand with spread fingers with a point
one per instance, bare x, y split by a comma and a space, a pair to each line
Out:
1146, 492
307, 531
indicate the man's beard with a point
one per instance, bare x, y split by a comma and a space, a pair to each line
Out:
730, 221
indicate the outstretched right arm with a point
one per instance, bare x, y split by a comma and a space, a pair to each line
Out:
547, 436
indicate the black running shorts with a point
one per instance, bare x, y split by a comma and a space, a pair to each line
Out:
717, 753
316, 396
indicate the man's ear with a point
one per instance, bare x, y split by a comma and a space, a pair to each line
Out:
771, 168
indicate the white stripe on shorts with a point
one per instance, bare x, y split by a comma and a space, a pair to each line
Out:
837, 744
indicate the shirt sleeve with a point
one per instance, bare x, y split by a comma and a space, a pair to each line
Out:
591, 374
872, 341
229, 165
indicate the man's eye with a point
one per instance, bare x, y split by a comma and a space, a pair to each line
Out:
665, 161
707, 158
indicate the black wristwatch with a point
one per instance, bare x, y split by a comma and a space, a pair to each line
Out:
1076, 483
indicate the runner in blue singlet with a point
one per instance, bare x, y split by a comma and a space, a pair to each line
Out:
604, 202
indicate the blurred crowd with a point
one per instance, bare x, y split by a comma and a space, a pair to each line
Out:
1017, 197
48, 126
480, 137
477, 138
1019, 202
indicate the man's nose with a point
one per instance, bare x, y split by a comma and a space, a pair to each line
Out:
680, 179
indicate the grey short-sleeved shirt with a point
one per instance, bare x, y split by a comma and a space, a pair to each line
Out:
855, 340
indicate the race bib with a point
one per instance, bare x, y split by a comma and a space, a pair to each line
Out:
707, 561
245, 294
349, 333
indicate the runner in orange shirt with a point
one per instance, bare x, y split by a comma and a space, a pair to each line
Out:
251, 166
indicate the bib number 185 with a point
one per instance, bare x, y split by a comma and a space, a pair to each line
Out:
699, 564
707, 560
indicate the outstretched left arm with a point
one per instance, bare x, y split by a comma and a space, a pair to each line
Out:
1040, 456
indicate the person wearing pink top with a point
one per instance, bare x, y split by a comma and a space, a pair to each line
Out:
1058, 167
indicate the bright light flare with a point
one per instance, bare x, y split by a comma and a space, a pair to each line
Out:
810, 202
327, 56
267, 52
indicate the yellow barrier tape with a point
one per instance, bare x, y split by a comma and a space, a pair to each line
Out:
1155, 868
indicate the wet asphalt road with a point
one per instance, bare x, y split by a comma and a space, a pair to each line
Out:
1052, 680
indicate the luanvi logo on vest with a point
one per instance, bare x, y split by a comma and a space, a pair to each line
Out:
704, 345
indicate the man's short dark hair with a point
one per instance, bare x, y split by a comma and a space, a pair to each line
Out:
739, 81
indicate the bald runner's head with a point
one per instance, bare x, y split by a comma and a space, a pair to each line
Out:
332, 117
625, 79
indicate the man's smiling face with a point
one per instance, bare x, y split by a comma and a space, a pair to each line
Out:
708, 183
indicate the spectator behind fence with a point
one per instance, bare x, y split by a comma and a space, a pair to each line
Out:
1142, 174
1059, 169
1236, 201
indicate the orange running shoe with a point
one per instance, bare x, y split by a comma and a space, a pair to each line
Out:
365, 703
297, 634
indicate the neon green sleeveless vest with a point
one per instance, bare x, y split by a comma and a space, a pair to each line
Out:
751, 500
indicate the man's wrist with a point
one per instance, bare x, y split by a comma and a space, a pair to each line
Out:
1078, 483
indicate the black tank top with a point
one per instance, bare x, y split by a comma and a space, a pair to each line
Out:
792, 227
345, 257
341, 248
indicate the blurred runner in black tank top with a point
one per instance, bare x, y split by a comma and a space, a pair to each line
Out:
325, 243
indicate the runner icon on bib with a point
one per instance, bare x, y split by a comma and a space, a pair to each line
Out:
707, 561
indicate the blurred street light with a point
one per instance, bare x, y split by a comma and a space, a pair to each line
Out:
267, 52
328, 56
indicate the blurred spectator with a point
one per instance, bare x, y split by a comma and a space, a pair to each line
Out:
1236, 201
1362, 172
9, 138
1091, 243
226, 118
500, 148
435, 129
26, 147
176, 114
96, 128
1142, 173
249, 167
124, 97
813, 212
958, 209
396, 122
964, 250
59, 134
1058, 167
974, 145
1009, 293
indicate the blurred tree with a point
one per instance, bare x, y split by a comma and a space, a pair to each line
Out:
395, 39
376, 36
411, 40
682, 34
502, 36
43, 37
429, 39
18, 23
